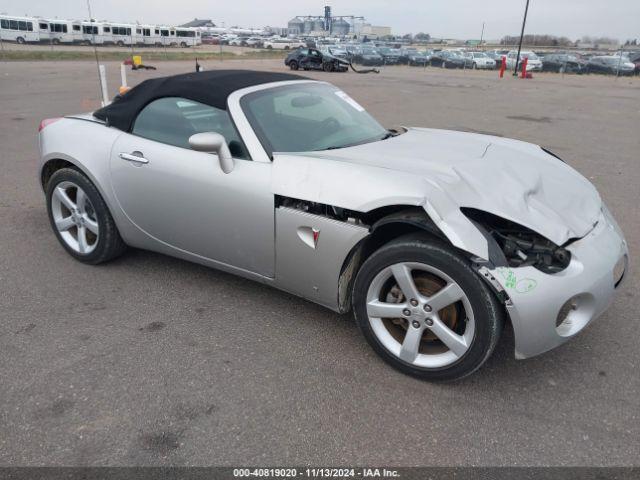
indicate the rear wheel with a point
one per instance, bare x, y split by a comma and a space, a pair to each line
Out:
80, 218
20, 40
425, 311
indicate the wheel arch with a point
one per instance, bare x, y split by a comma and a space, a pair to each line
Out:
390, 223
56, 161
387, 224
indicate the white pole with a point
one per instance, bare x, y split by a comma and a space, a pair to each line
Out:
123, 74
103, 85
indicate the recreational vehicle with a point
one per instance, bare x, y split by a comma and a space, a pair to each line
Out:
19, 29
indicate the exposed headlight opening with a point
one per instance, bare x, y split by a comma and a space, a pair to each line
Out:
521, 246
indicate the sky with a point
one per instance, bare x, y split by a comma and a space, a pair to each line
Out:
441, 18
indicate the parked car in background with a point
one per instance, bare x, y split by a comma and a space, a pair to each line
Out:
313, 59
420, 59
497, 56
368, 56
283, 44
480, 60
390, 56
210, 39
534, 64
635, 59
254, 42
405, 53
612, 65
448, 59
225, 38
563, 63
238, 41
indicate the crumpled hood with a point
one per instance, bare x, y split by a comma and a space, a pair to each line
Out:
509, 178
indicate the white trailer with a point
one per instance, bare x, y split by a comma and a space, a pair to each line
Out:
19, 29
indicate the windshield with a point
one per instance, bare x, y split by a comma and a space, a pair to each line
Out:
308, 117
529, 55
480, 55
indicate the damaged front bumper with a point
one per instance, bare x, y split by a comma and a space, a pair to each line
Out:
547, 310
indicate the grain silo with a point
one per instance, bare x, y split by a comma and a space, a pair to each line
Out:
295, 26
340, 27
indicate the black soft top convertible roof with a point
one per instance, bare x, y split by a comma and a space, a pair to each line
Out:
210, 87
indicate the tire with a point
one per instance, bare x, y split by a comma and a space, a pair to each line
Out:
20, 41
183, 45
327, 67
269, 47
476, 319
293, 65
120, 43
55, 41
108, 243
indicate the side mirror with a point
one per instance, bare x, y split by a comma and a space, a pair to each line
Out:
211, 142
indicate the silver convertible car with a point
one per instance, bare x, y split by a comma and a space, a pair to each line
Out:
433, 238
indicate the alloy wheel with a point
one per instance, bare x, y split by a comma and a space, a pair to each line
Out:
75, 217
420, 315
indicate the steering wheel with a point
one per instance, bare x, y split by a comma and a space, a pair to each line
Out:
330, 125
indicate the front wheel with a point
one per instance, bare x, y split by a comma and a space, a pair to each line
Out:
81, 219
293, 65
328, 67
20, 40
423, 309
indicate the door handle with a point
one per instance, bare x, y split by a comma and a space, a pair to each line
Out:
136, 157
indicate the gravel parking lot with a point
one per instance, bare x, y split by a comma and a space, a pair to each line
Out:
151, 360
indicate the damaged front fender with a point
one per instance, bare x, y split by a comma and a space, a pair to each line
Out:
363, 188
